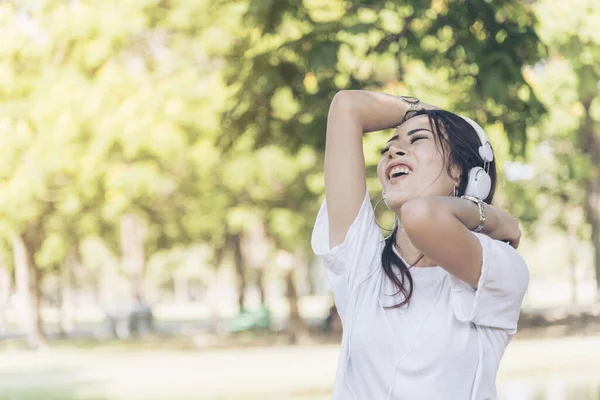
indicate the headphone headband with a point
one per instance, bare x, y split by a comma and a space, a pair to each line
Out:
485, 151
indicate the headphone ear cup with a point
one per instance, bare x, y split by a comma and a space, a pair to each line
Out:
479, 184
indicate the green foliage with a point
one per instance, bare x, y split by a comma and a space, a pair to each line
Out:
292, 57
105, 109
204, 118
479, 47
563, 84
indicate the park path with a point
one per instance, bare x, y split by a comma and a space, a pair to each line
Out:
283, 372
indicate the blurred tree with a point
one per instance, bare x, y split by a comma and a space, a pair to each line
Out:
291, 58
5, 291
111, 125
256, 249
287, 263
568, 83
104, 109
67, 274
28, 293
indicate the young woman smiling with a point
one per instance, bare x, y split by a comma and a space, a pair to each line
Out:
428, 311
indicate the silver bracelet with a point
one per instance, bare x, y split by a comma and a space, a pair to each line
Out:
481, 207
413, 104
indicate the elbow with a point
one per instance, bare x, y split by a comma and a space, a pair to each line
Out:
344, 108
342, 95
417, 215
342, 101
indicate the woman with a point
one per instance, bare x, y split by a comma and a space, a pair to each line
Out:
427, 312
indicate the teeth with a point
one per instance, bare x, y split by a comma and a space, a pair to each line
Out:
399, 169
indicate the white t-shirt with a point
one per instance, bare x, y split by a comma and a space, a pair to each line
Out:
447, 344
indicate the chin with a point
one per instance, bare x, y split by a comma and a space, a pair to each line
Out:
395, 202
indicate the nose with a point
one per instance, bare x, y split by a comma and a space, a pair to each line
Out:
395, 150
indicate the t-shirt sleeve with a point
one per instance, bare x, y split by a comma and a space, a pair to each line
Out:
352, 260
496, 302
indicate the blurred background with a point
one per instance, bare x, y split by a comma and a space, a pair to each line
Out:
161, 168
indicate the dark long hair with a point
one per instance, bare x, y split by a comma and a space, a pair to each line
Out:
460, 147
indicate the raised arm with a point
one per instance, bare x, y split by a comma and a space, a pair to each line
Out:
440, 228
351, 114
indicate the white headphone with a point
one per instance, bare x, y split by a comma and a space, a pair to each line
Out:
480, 183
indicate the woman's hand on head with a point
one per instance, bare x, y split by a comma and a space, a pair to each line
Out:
421, 106
426, 106
504, 227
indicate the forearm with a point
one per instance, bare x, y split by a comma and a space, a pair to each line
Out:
439, 228
465, 211
372, 111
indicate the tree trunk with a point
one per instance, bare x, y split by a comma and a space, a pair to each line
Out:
590, 145
297, 328
66, 323
310, 278
260, 283
133, 236
37, 299
592, 197
240, 269
569, 224
572, 253
28, 303
255, 248
5, 292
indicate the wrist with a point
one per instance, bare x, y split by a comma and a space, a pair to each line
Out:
481, 211
412, 105
491, 226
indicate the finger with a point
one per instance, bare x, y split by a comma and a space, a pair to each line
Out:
515, 243
519, 236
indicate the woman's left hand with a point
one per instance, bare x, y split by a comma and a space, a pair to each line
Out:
421, 106
502, 226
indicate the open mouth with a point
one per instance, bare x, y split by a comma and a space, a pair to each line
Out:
398, 172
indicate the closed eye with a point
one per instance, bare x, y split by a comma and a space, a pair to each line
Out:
415, 138
412, 140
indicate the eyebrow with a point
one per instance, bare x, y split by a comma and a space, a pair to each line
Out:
409, 133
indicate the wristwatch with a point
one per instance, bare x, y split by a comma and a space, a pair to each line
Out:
481, 207
413, 104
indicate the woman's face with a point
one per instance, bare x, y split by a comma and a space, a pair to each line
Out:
413, 165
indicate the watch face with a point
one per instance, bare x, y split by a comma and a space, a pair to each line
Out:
410, 99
